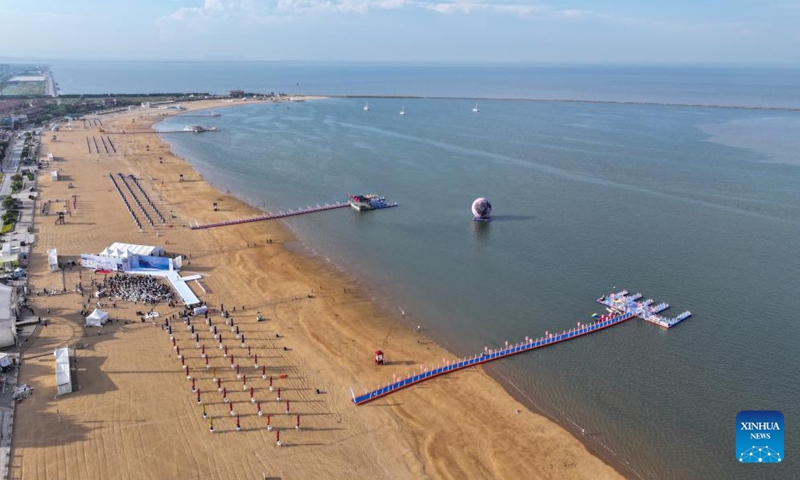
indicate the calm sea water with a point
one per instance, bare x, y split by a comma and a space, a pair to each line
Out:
699, 207
665, 84
587, 197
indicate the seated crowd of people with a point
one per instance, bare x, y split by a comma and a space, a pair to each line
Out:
137, 288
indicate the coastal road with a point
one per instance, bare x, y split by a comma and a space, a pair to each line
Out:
12, 160
50, 85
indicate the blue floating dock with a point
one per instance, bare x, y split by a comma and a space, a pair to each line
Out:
621, 305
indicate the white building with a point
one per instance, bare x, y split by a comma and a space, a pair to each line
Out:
8, 316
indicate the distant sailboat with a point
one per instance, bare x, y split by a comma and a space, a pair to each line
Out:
403, 110
366, 107
475, 108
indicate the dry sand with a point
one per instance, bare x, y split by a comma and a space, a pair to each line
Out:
135, 416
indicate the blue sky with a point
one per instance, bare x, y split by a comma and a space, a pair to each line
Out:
620, 31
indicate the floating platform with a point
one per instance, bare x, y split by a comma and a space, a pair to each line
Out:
623, 302
369, 202
621, 309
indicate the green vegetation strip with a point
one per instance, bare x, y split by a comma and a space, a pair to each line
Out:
23, 88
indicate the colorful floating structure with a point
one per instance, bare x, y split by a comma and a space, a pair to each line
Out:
624, 302
199, 128
481, 210
621, 307
369, 202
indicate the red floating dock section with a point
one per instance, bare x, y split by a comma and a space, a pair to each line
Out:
275, 216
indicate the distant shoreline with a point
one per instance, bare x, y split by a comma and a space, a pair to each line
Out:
568, 100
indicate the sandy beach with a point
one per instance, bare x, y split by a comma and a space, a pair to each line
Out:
135, 415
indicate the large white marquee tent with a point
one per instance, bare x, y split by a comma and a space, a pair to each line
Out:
122, 250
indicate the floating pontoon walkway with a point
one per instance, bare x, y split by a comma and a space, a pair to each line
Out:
274, 216
645, 310
621, 309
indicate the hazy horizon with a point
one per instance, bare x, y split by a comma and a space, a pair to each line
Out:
27, 60
573, 31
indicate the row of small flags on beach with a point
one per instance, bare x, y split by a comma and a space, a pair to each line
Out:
217, 380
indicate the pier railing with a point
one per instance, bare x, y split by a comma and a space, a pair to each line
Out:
273, 216
621, 306
489, 356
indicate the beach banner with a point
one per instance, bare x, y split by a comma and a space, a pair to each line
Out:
151, 263
96, 262
133, 262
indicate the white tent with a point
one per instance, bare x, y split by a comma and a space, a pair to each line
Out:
97, 318
8, 336
52, 259
63, 374
116, 250
6, 304
8, 317
109, 252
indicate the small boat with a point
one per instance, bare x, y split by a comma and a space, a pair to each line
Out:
403, 110
366, 107
475, 108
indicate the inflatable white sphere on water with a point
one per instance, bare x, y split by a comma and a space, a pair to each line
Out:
481, 209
